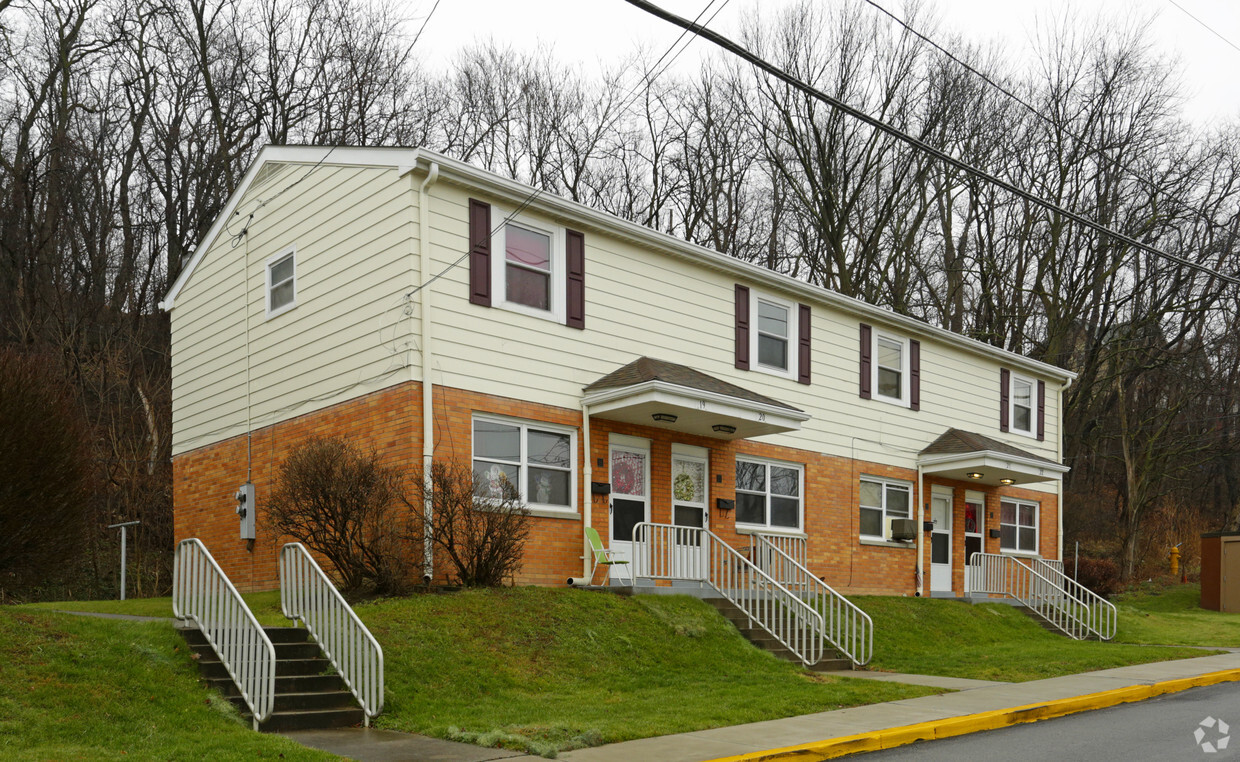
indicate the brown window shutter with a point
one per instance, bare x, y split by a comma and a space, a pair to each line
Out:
1005, 393
803, 345
479, 253
867, 346
914, 372
742, 327
1041, 411
575, 251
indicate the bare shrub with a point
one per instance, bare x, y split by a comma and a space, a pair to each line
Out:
44, 474
479, 526
345, 505
1098, 574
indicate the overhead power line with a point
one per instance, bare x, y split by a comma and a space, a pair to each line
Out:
1148, 183
921, 145
1208, 28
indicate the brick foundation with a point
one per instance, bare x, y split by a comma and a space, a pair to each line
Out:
389, 421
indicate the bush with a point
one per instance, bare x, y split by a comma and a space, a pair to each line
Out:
45, 462
345, 505
480, 527
1098, 574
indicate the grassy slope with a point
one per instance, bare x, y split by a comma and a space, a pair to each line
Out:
1157, 614
85, 688
266, 607
565, 668
988, 642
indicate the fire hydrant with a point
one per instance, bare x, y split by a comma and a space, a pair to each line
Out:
1175, 562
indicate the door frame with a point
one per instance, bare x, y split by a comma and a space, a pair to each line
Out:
973, 496
624, 548
939, 491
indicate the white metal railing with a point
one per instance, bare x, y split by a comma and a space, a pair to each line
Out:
667, 552
848, 628
1067, 605
202, 594
306, 593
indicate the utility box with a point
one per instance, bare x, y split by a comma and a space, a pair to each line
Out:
1220, 571
245, 510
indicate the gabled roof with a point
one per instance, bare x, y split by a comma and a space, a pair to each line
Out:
957, 442
406, 160
645, 369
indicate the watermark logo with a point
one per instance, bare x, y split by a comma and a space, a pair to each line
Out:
1215, 728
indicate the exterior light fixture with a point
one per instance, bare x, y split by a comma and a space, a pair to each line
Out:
724, 428
1006, 482
974, 475
664, 417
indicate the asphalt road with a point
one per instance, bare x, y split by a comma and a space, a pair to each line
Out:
1156, 729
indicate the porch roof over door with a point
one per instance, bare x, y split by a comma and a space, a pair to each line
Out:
972, 457
687, 401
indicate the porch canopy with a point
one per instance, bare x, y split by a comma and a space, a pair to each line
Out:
651, 392
977, 458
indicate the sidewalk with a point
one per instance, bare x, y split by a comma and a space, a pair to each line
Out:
1034, 699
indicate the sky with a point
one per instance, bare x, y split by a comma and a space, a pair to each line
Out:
593, 31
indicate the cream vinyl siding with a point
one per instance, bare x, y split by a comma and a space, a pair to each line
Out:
640, 302
355, 234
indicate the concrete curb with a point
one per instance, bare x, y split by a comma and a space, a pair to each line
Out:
972, 723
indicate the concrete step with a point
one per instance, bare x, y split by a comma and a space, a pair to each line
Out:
308, 701
295, 684
831, 661
315, 719
212, 667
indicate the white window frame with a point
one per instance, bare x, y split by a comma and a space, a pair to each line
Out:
1037, 530
903, 400
884, 482
536, 509
768, 527
289, 253
793, 338
559, 267
1032, 431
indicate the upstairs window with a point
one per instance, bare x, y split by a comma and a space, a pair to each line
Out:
281, 283
1022, 405
773, 321
889, 370
527, 267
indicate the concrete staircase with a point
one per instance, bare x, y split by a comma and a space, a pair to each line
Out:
306, 698
1046, 625
830, 662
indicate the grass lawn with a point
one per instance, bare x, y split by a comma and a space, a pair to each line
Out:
85, 688
265, 605
1160, 614
989, 641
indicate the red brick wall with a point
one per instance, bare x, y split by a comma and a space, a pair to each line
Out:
389, 421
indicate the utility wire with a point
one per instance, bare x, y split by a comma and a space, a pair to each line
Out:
1204, 24
1148, 183
921, 145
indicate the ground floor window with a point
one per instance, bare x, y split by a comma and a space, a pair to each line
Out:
1018, 525
881, 501
535, 458
768, 494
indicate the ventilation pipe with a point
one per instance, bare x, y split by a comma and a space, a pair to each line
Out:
587, 477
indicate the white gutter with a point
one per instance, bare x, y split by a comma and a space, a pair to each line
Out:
1059, 458
428, 389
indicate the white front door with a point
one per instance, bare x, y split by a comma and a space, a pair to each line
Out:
630, 500
974, 519
941, 541
689, 509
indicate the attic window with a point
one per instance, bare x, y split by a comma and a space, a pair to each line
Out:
281, 283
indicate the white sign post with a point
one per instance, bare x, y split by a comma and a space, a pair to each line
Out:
123, 527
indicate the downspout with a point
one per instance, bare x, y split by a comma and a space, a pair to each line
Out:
921, 522
428, 390
1059, 460
587, 477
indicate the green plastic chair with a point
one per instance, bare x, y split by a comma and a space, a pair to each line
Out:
604, 556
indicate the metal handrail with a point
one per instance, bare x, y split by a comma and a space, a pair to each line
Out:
306, 593
1102, 616
202, 594
848, 628
667, 552
1061, 605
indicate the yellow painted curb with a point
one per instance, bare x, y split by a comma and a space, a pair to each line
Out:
972, 723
